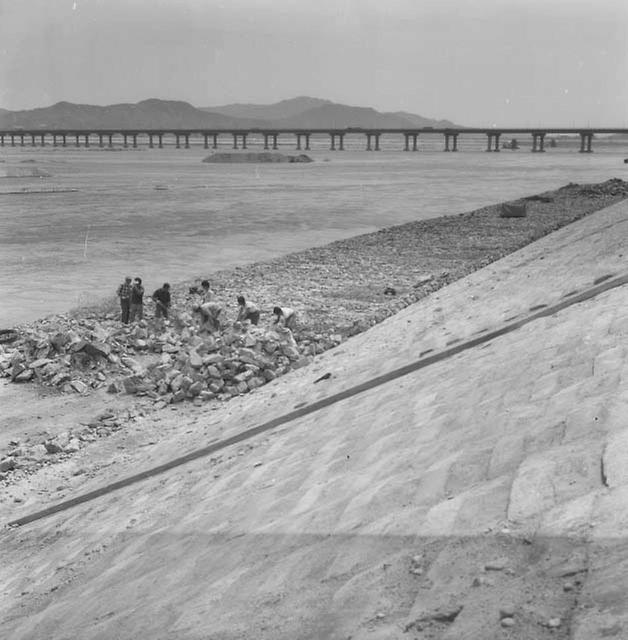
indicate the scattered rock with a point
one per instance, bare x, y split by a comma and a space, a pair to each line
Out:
496, 565
7, 464
507, 622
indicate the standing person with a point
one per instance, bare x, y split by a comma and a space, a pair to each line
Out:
137, 301
211, 315
287, 316
207, 295
247, 311
162, 301
124, 293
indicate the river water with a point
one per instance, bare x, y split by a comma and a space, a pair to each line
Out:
59, 250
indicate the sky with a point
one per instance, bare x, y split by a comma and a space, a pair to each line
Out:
474, 62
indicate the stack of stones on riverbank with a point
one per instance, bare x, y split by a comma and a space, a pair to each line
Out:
337, 290
167, 362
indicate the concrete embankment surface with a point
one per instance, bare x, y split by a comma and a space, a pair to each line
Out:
483, 496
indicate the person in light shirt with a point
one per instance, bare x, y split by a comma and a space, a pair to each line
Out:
247, 311
285, 316
210, 315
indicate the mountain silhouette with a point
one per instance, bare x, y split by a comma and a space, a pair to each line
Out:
298, 113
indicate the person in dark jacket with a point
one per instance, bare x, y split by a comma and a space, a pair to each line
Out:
136, 310
124, 293
162, 301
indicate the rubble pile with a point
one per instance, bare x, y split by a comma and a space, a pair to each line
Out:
612, 187
28, 455
169, 362
200, 367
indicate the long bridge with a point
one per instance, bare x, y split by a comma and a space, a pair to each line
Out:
181, 137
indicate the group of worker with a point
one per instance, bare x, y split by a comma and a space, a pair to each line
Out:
210, 313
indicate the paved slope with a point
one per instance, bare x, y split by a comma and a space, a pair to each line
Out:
492, 480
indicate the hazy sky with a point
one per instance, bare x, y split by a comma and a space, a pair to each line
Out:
476, 62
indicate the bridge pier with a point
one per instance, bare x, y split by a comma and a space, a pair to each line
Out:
215, 145
87, 140
161, 140
32, 140
410, 136
77, 142
341, 146
538, 142
43, 142
307, 141
12, 140
64, 144
110, 140
585, 142
150, 141
490, 135
235, 140
101, 140
126, 142
177, 141
206, 139
187, 140
135, 140
1, 139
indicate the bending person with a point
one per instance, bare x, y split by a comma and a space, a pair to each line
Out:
285, 316
210, 314
162, 301
248, 311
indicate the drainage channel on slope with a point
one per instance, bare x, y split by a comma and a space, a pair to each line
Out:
609, 282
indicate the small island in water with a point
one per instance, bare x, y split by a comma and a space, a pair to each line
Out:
264, 156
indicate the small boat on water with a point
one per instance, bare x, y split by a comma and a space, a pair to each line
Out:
512, 144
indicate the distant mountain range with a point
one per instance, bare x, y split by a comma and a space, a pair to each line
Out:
297, 113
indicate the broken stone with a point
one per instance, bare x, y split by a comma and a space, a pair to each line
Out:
115, 387
72, 446
195, 360
554, 623
53, 447
7, 464
496, 565
36, 364
507, 622
195, 388
95, 349
37, 452
78, 386
24, 376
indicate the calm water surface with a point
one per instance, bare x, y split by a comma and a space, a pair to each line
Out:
58, 250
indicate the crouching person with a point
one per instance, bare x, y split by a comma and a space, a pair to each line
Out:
285, 316
210, 314
247, 311
162, 301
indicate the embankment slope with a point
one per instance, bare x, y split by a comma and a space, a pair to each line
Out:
483, 496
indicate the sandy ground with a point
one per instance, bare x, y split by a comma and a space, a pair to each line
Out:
464, 500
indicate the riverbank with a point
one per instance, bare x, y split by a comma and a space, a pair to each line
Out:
482, 494
338, 290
